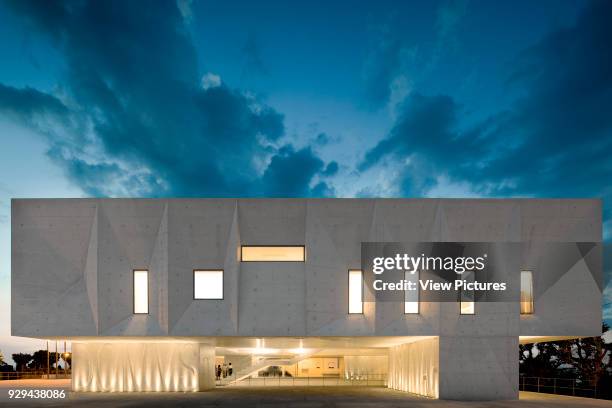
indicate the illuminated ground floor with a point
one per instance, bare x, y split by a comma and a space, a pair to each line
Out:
465, 368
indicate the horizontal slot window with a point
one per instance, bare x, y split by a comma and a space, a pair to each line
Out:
291, 253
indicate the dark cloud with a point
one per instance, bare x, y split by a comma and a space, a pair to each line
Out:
394, 60
331, 169
425, 141
136, 121
554, 141
253, 61
382, 64
322, 139
290, 173
29, 105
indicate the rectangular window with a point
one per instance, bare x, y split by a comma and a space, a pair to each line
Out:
526, 292
466, 306
141, 292
355, 283
289, 253
411, 297
208, 284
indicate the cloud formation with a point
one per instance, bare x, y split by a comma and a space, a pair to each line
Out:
132, 116
394, 61
553, 141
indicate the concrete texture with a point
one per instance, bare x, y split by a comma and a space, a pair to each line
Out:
72, 263
478, 368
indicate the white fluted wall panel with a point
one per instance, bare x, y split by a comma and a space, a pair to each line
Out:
414, 367
132, 366
358, 366
207, 367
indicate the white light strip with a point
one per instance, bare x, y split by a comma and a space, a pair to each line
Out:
273, 253
526, 292
411, 297
141, 292
355, 292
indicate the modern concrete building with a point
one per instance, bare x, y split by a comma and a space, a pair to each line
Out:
154, 293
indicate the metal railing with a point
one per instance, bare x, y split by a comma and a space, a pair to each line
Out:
366, 380
34, 374
560, 386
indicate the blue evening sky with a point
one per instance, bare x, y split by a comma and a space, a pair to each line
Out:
302, 99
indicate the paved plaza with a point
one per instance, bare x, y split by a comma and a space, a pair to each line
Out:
271, 397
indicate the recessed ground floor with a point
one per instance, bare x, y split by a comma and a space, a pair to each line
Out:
444, 367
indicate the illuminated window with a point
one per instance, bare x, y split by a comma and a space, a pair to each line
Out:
526, 292
466, 306
355, 291
141, 292
411, 297
208, 284
290, 253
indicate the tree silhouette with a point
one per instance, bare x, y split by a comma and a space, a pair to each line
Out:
590, 356
21, 360
39, 360
588, 360
539, 360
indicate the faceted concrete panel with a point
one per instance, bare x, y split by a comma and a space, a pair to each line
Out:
76, 257
202, 235
399, 220
482, 221
73, 262
478, 368
50, 240
489, 319
392, 321
272, 299
127, 239
571, 305
272, 222
561, 220
334, 232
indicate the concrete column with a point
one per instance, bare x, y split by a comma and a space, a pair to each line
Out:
206, 368
479, 368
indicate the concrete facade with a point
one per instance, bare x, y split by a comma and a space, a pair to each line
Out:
72, 263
